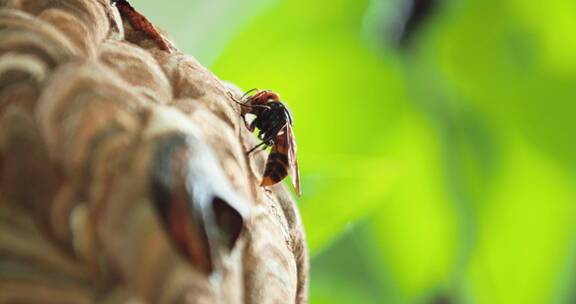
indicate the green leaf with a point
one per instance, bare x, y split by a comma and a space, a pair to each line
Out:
526, 224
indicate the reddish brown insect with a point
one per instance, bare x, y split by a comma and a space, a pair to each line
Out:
274, 122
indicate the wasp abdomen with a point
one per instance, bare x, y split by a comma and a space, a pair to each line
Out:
275, 169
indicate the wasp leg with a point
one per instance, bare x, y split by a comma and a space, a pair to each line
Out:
267, 143
258, 145
266, 146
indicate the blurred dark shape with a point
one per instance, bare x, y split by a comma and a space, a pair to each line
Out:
442, 298
413, 16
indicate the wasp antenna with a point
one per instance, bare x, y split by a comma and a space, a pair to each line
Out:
251, 106
236, 100
248, 92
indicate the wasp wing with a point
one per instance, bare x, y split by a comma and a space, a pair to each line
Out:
292, 158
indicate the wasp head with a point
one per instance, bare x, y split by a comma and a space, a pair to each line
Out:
256, 103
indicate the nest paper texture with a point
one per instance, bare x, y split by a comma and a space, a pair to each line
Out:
88, 90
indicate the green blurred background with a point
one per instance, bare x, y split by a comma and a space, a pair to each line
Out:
437, 171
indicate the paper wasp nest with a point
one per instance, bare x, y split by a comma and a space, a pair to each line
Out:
123, 174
